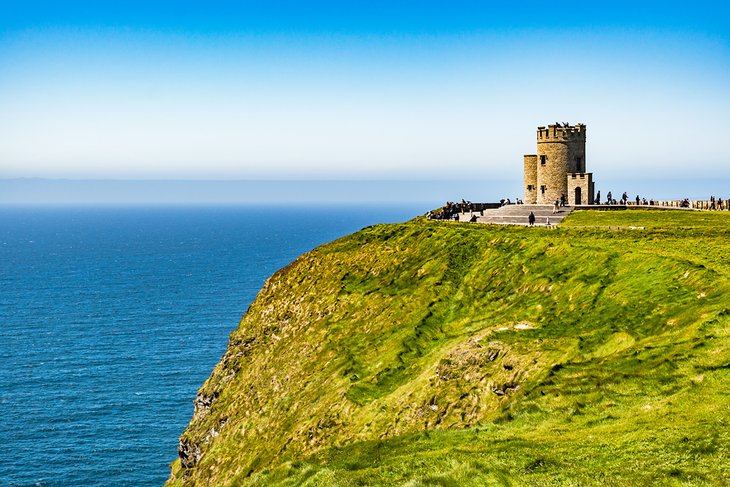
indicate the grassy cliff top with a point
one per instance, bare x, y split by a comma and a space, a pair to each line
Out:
438, 353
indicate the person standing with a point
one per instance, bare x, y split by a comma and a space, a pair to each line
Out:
531, 219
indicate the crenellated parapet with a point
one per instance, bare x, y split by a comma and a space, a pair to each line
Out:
561, 133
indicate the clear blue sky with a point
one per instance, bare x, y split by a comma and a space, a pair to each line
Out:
358, 90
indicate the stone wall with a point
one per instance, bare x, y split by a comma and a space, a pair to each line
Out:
531, 179
695, 204
552, 171
583, 182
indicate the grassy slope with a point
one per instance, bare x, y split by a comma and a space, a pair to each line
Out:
399, 355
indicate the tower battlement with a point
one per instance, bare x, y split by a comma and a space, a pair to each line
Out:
561, 132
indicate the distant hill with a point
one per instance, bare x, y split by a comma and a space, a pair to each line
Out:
439, 353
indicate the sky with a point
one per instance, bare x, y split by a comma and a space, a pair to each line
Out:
359, 90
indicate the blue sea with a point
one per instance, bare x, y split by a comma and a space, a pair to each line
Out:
112, 318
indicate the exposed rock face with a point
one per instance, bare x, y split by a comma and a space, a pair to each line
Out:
203, 402
189, 453
189, 450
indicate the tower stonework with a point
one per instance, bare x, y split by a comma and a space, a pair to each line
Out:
530, 179
559, 167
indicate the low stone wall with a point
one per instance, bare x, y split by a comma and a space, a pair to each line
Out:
485, 206
695, 204
660, 205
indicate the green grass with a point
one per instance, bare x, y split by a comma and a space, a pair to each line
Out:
435, 353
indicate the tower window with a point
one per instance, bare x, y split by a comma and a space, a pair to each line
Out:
530, 187
543, 188
543, 160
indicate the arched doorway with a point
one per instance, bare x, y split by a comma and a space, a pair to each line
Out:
577, 196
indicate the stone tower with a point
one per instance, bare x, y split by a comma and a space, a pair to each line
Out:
559, 167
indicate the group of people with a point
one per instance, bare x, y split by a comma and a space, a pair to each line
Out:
557, 204
610, 200
715, 204
451, 210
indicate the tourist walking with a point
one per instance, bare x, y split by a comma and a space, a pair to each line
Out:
556, 207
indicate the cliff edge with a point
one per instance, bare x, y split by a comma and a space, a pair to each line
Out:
432, 353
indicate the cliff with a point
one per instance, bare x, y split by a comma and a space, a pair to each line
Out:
431, 353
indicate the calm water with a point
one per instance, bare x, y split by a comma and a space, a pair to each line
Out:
110, 320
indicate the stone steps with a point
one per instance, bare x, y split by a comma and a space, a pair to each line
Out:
518, 214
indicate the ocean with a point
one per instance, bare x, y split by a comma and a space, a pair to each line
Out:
112, 318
